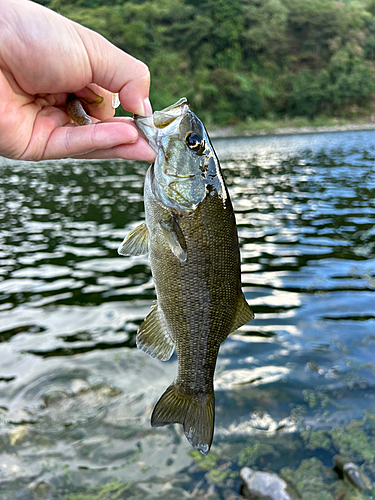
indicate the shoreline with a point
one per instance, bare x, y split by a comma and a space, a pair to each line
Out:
232, 131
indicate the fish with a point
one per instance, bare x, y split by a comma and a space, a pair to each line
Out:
191, 236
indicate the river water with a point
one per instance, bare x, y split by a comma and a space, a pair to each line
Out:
293, 388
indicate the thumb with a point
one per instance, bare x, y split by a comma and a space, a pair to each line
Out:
118, 71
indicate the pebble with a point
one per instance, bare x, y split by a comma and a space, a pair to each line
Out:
263, 485
17, 434
351, 472
42, 489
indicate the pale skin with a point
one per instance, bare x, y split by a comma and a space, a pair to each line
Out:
43, 58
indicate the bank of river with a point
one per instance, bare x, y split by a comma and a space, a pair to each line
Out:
292, 127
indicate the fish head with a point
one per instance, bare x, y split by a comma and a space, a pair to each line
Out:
186, 167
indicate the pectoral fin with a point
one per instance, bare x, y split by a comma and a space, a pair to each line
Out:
244, 314
136, 242
175, 238
152, 337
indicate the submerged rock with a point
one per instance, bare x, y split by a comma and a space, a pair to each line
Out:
350, 471
42, 490
263, 486
17, 434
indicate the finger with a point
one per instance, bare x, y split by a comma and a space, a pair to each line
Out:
117, 71
69, 140
141, 151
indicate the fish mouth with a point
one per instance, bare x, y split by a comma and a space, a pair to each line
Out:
166, 116
163, 123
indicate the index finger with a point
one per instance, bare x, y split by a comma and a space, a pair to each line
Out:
117, 71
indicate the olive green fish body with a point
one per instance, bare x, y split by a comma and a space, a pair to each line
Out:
195, 262
205, 288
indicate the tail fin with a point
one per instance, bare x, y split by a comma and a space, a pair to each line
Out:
196, 412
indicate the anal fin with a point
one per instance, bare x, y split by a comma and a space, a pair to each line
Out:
136, 242
244, 314
152, 337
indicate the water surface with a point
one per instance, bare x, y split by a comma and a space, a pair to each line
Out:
75, 393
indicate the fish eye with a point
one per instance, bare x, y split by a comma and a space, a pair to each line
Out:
195, 142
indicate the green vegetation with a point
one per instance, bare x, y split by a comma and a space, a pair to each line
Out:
237, 60
311, 478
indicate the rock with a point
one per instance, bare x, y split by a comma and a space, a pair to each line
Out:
17, 434
42, 489
263, 485
351, 472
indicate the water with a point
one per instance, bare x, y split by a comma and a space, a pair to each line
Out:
76, 395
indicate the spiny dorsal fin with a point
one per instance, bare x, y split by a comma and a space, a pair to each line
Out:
136, 242
175, 238
152, 337
196, 412
244, 314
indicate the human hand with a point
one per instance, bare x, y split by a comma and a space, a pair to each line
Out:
43, 58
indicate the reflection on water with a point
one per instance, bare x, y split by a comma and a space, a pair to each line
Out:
76, 396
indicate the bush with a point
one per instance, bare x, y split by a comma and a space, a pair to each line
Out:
346, 80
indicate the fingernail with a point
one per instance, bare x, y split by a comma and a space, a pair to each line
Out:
147, 107
115, 101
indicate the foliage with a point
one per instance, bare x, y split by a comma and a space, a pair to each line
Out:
244, 59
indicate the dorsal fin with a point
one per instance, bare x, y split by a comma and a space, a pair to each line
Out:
244, 314
136, 242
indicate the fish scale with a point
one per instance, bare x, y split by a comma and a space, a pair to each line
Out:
208, 287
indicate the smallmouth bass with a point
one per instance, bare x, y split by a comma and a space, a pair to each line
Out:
191, 236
